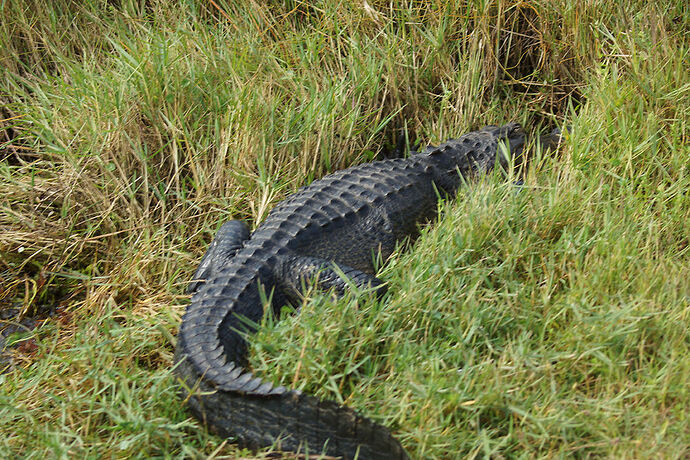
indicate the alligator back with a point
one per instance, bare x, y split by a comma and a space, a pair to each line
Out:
350, 215
346, 219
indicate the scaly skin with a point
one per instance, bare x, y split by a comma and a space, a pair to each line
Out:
343, 219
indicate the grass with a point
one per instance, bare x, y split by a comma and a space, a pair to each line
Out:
552, 322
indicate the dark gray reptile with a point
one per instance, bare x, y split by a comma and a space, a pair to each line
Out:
344, 219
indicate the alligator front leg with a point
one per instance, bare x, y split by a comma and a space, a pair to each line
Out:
229, 239
297, 272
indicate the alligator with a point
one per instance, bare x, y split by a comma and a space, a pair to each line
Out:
328, 234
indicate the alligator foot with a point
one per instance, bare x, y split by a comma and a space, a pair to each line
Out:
230, 239
300, 271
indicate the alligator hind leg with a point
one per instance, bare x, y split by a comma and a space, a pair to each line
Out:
299, 271
229, 239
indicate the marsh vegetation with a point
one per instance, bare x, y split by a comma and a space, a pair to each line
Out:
554, 322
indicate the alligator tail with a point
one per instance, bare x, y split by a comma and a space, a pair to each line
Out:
221, 391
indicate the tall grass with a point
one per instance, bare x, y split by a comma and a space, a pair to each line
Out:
549, 322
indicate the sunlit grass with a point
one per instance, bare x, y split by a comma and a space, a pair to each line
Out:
549, 321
